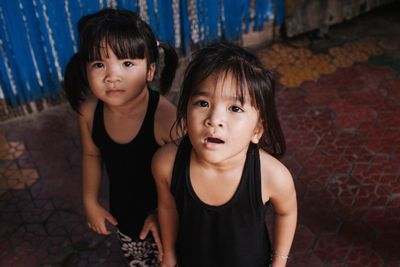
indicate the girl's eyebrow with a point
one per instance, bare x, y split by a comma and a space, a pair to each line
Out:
208, 94
200, 93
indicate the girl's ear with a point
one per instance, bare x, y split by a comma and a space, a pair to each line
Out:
151, 71
258, 132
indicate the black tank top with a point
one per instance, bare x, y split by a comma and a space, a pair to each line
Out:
231, 235
132, 188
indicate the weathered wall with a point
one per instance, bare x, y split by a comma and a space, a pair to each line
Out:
307, 15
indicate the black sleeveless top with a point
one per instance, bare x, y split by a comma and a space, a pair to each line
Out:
231, 235
132, 187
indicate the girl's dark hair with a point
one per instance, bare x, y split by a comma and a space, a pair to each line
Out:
222, 59
128, 36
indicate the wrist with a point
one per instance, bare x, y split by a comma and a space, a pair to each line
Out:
279, 259
88, 203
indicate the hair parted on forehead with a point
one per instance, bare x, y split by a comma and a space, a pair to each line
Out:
123, 31
223, 60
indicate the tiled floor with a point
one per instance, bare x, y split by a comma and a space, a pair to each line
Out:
339, 103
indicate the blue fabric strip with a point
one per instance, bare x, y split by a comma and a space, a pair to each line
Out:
19, 56
5, 52
279, 11
233, 13
50, 84
166, 21
127, 4
152, 17
185, 26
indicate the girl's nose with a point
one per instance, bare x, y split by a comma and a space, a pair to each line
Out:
215, 118
112, 76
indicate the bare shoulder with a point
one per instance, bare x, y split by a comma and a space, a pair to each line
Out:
163, 162
276, 178
164, 120
165, 110
87, 109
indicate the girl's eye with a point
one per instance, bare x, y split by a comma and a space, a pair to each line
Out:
97, 65
128, 64
236, 109
201, 103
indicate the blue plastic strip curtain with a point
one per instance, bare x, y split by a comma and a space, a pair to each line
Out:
165, 22
185, 26
279, 11
201, 20
39, 36
208, 13
261, 7
49, 43
246, 14
234, 12
266, 10
75, 10
88, 6
19, 56
6, 71
60, 31
49, 84
152, 16
127, 4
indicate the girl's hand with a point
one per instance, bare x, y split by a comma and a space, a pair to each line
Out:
97, 217
169, 260
151, 224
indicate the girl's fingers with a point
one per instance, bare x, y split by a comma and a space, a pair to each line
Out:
145, 231
146, 228
111, 219
103, 229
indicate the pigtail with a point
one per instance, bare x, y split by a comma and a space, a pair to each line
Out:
74, 84
169, 69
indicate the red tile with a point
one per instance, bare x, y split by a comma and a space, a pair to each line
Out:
332, 249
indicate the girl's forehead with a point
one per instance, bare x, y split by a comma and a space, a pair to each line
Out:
224, 85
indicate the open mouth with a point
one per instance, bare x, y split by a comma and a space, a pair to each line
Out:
214, 140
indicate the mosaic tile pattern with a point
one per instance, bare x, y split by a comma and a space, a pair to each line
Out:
298, 64
12, 176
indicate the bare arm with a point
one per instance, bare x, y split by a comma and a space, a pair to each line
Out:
163, 123
91, 174
167, 214
279, 188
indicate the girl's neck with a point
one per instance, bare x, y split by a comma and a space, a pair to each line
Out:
132, 107
226, 166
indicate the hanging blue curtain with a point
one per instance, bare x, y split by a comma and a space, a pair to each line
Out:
7, 68
208, 15
165, 22
185, 26
39, 36
279, 11
262, 9
49, 82
234, 13
60, 32
127, 4
18, 53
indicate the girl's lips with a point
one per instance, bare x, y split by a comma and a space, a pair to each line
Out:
114, 92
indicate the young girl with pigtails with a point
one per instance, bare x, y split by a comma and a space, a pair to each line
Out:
122, 123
